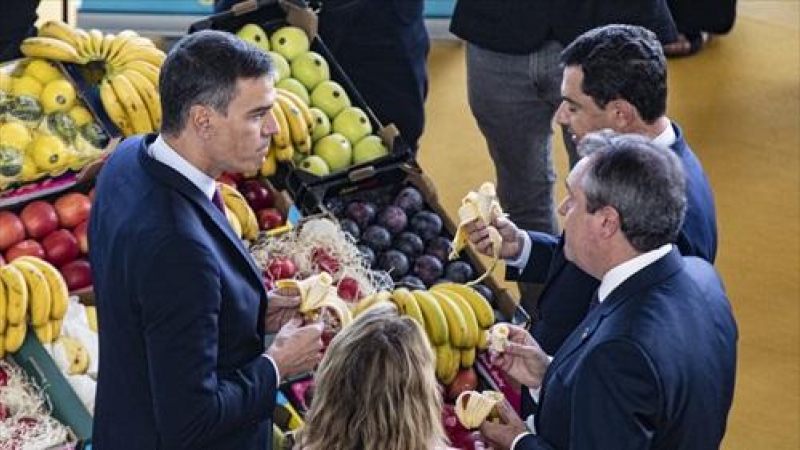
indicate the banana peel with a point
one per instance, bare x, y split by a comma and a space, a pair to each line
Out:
483, 205
473, 408
317, 293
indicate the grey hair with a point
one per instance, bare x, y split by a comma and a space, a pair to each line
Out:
644, 182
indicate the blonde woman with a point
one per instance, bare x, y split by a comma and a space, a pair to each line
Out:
376, 389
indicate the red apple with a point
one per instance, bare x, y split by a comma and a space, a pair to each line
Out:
72, 209
39, 219
349, 289
466, 380
60, 247
256, 194
11, 230
26, 247
81, 233
281, 268
77, 274
269, 218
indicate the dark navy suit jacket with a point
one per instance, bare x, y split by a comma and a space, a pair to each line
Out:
652, 367
567, 289
179, 305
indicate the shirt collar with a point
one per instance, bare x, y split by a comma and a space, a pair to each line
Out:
163, 153
616, 276
667, 137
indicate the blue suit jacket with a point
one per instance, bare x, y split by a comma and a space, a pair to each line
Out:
179, 304
567, 289
652, 367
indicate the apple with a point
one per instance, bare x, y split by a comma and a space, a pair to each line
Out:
335, 150
315, 165
255, 35
39, 219
77, 274
281, 268
27, 247
349, 289
81, 233
72, 209
256, 194
465, 380
292, 85
11, 229
330, 97
290, 42
282, 68
60, 247
269, 218
352, 123
311, 69
321, 126
369, 148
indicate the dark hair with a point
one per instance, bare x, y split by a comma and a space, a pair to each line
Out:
203, 68
622, 62
644, 182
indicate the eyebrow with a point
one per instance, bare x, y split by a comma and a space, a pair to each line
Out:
569, 100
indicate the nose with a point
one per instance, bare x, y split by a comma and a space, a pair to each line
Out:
561, 114
270, 125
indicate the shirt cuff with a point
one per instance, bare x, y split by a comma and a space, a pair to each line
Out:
275, 366
535, 392
518, 438
522, 260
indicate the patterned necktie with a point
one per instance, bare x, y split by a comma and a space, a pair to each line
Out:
216, 199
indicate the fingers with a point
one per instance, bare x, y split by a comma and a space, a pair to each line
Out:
278, 300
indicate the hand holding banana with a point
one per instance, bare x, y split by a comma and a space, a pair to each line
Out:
484, 206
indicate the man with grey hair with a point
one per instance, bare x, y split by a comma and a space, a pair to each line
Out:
653, 363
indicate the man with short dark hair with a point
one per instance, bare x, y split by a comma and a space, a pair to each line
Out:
182, 310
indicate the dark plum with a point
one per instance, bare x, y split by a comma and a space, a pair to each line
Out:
485, 292
363, 213
394, 262
377, 238
439, 247
411, 282
428, 268
427, 224
351, 227
409, 243
411, 200
393, 219
459, 272
368, 254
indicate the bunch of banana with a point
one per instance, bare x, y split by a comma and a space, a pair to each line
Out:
295, 123
473, 408
32, 292
131, 64
317, 293
483, 205
239, 213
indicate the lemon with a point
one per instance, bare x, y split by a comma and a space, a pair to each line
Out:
42, 70
58, 95
15, 134
81, 115
49, 153
26, 85
29, 170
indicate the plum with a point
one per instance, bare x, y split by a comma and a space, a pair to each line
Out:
428, 268
351, 227
362, 213
411, 282
439, 247
394, 262
459, 272
409, 243
368, 254
377, 238
410, 200
485, 292
393, 218
427, 224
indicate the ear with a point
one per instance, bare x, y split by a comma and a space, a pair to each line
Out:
609, 220
200, 119
624, 114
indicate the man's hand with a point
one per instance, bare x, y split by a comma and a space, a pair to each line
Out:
297, 349
281, 308
512, 241
502, 435
522, 358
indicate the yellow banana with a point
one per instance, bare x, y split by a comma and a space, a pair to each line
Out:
96, 43
407, 305
270, 164
91, 317
148, 93
59, 293
300, 104
281, 139
44, 332
234, 200
3, 307
472, 408
77, 355
298, 129
483, 205
134, 51
117, 44
132, 103
456, 323
305, 145
471, 329
234, 221
38, 292
105, 47
480, 306
443, 357
370, 301
150, 71
316, 294
467, 357
56, 326
60, 30
114, 109
50, 48
435, 321
15, 336
83, 44
455, 365
483, 340
16, 294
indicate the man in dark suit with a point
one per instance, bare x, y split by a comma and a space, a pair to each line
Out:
615, 77
653, 364
181, 306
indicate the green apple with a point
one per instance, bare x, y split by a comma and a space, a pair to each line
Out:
335, 149
298, 157
290, 42
282, 67
292, 85
316, 165
352, 123
330, 97
310, 68
322, 124
369, 148
255, 35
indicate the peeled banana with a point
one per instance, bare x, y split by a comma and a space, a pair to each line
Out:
472, 407
316, 293
483, 205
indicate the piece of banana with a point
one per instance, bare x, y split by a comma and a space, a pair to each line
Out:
298, 128
457, 328
16, 290
282, 138
407, 305
234, 222
60, 30
59, 293
113, 108
316, 293
370, 301
15, 336
443, 359
270, 164
150, 71
480, 306
498, 338
483, 205
472, 407
234, 200
50, 48
435, 321
38, 292
132, 103
44, 332
300, 104
148, 93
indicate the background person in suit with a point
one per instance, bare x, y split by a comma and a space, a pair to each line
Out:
614, 77
653, 364
181, 306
